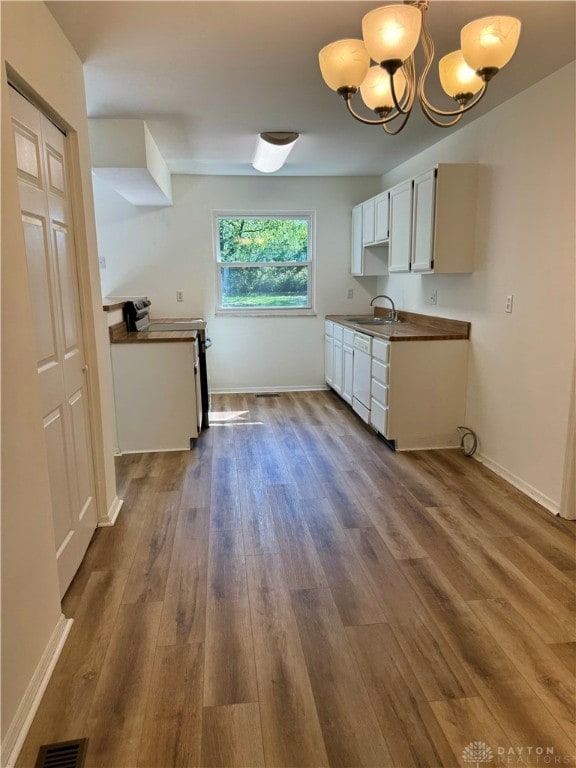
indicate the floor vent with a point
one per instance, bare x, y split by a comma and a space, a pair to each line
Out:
267, 394
63, 754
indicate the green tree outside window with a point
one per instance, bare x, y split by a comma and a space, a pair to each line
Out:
264, 261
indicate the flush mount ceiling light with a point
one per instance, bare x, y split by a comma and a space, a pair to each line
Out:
389, 88
272, 150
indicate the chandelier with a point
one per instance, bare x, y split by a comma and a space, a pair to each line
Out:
389, 88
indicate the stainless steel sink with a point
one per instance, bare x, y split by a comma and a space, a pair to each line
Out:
373, 320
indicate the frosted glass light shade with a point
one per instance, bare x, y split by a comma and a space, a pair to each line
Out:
376, 92
490, 42
391, 32
456, 76
272, 149
344, 63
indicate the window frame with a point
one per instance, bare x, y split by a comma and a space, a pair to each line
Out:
310, 263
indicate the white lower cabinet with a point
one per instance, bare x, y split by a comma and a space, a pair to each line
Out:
347, 365
379, 386
416, 389
155, 393
339, 359
426, 393
338, 367
329, 353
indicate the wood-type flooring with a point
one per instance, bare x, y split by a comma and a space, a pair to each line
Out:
293, 593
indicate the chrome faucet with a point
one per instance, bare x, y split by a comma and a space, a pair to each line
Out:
383, 296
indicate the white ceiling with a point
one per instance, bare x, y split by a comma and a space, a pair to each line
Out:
209, 76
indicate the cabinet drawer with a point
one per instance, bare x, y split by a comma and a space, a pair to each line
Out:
379, 392
348, 337
379, 371
379, 417
381, 350
338, 332
361, 410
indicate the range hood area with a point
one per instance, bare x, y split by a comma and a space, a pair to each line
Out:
125, 156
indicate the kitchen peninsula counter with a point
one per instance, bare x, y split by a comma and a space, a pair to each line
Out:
119, 335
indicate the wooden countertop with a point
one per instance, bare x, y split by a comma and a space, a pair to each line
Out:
415, 328
111, 307
119, 335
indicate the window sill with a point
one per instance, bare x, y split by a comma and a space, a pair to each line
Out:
266, 313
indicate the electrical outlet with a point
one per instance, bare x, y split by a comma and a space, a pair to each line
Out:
102, 261
509, 303
433, 298
179, 295
350, 293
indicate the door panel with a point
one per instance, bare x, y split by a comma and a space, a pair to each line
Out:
55, 436
79, 412
55, 162
67, 280
40, 282
51, 258
27, 155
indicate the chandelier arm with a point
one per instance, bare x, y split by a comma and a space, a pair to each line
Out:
402, 124
410, 70
408, 101
428, 47
366, 120
438, 123
454, 113
427, 107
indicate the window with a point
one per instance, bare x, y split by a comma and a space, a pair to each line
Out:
264, 262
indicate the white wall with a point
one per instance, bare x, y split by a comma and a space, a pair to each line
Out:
521, 363
157, 252
35, 48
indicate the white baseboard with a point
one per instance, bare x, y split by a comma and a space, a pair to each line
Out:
254, 390
154, 450
28, 707
112, 514
549, 504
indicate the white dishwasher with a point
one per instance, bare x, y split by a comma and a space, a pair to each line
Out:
362, 375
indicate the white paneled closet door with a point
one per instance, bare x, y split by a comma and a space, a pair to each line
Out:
49, 238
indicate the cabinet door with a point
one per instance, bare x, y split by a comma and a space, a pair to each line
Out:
400, 227
197, 387
357, 265
347, 373
368, 222
338, 367
329, 360
381, 210
423, 218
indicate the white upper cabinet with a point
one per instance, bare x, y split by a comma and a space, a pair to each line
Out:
400, 227
357, 264
381, 211
423, 219
425, 224
368, 222
366, 259
444, 219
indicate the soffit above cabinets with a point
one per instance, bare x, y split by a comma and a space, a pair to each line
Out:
125, 156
